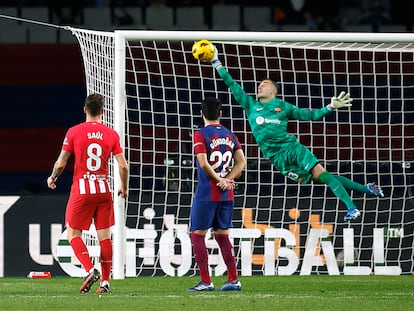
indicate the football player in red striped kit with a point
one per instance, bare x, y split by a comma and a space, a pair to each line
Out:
92, 144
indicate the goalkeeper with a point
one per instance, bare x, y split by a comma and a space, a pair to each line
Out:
268, 117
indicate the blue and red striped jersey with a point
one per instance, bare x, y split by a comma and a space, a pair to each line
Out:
220, 144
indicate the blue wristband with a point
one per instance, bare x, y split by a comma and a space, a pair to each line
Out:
216, 63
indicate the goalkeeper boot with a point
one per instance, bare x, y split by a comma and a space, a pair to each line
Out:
234, 285
353, 213
375, 190
92, 277
201, 287
104, 288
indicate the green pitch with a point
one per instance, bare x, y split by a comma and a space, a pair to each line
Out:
350, 293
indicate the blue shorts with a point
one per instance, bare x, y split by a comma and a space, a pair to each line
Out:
206, 214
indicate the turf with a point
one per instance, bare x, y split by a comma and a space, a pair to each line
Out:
314, 292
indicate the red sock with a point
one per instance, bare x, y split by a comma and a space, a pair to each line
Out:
227, 252
81, 252
106, 258
201, 256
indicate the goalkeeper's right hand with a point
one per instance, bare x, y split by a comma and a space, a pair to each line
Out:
215, 61
342, 100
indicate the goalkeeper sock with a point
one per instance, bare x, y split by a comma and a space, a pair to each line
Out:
106, 258
351, 185
201, 256
337, 188
227, 253
81, 252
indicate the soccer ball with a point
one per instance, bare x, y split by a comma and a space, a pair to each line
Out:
203, 50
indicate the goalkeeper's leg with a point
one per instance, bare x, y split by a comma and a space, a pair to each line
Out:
337, 188
350, 185
370, 188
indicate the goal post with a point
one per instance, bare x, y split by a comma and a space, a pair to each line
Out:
154, 87
118, 272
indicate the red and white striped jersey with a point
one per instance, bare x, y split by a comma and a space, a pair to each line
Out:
92, 144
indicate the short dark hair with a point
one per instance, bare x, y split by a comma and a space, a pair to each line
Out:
275, 84
94, 104
211, 107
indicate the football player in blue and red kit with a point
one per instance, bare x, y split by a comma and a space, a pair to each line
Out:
220, 159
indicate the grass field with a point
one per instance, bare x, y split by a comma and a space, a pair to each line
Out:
314, 292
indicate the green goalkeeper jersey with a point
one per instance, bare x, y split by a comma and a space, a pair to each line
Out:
269, 120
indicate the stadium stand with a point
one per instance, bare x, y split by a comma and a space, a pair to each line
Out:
366, 16
190, 18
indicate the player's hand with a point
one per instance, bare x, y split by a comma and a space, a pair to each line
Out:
123, 193
51, 182
215, 61
226, 184
341, 101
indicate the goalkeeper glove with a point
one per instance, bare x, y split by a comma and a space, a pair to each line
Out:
341, 101
215, 61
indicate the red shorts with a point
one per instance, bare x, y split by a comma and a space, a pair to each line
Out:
83, 208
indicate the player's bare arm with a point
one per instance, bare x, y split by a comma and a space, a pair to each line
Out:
223, 183
123, 173
206, 167
58, 168
239, 165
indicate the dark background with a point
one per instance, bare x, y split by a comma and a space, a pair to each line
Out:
42, 89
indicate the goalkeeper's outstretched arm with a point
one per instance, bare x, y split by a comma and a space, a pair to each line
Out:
215, 61
342, 100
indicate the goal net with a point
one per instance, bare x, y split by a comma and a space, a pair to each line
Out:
154, 87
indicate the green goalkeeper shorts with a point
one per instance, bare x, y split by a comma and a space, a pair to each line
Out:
295, 162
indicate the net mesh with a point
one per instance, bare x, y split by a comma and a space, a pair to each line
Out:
371, 142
